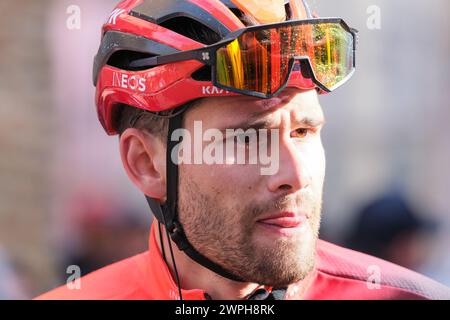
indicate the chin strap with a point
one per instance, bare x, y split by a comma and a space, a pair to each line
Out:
167, 213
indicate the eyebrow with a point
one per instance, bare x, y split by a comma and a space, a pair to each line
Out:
311, 121
255, 122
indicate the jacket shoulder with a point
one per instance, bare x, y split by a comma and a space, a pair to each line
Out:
359, 269
121, 280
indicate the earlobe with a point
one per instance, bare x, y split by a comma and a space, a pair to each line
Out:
143, 157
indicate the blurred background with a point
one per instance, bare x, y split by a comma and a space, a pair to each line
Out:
65, 199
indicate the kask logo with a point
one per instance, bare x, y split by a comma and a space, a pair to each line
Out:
213, 90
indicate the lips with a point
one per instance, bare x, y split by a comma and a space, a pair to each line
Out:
284, 220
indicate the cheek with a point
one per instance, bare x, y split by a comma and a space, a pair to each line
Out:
318, 154
313, 160
224, 181
318, 165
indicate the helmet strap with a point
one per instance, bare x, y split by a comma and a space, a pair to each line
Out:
167, 213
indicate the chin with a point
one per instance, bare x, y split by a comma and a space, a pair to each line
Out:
283, 261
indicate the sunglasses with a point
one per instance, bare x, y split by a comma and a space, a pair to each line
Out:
259, 60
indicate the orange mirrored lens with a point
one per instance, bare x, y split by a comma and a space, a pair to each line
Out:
259, 60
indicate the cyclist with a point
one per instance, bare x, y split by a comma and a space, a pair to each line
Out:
168, 69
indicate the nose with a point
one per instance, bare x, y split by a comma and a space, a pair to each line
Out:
293, 174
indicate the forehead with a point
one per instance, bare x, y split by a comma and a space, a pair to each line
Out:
216, 111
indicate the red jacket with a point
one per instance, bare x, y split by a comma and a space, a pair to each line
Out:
339, 274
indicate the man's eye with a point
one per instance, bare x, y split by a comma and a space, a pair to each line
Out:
300, 133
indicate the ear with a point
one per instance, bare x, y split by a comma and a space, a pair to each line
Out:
143, 157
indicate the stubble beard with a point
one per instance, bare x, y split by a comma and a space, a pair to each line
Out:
226, 236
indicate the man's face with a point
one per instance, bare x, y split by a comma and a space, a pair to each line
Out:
262, 228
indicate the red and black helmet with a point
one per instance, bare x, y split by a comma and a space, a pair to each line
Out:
138, 29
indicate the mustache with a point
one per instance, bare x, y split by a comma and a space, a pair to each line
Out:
305, 201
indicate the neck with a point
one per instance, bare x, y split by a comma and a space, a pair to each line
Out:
194, 276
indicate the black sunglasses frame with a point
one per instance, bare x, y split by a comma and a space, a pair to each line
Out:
207, 55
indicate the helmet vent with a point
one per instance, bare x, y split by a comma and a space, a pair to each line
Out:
192, 29
122, 59
202, 74
287, 7
238, 13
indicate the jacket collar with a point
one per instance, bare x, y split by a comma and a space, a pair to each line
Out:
163, 286
161, 281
